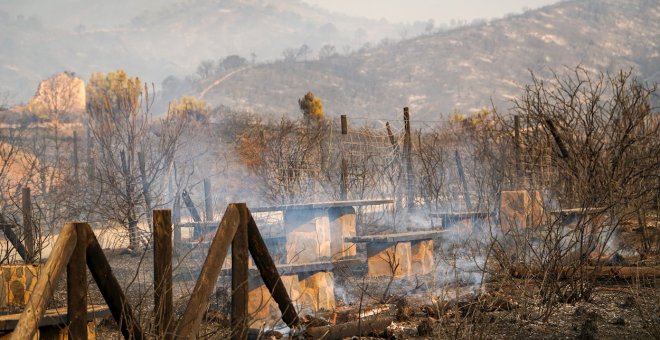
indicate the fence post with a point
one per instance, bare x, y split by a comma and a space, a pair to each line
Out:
28, 228
76, 178
343, 189
208, 200
90, 159
76, 285
163, 304
239, 277
516, 145
407, 149
461, 175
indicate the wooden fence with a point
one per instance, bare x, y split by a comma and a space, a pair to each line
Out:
77, 247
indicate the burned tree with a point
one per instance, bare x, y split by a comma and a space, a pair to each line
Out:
133, 149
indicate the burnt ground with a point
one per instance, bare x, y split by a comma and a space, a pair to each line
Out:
423, 309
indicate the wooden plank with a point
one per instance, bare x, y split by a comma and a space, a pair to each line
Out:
464, 215
76, 285
163, 300
579, 211
239, 277
54, 317
310, 267
398, 237
324, 205
112, 292
191, 206
13, 239
199, 300
560, 143
43, 290
269, 274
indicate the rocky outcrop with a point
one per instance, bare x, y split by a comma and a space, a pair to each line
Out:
63, 93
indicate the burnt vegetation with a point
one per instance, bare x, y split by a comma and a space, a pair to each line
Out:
547, 213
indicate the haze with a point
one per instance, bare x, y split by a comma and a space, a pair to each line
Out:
441, 11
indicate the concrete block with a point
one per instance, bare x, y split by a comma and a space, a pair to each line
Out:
422, 257
307, 235
317, 291
261, 306
342, 224
520, 209
384, 258
18, 282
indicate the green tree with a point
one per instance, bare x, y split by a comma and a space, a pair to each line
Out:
311, 107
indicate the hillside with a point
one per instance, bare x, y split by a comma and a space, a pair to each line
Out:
154, 39
462, 69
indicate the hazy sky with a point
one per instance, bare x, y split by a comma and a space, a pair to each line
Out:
442, 11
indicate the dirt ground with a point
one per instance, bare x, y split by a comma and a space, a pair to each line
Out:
422, 309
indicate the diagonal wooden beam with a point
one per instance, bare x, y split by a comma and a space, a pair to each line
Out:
13, 239
269, 274
111, 290
192, 317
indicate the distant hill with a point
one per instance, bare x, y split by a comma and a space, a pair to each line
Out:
463, 69
153, 39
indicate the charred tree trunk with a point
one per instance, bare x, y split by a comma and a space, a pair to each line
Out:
130, 202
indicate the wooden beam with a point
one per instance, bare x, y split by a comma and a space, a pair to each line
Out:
323, 205
52, 317
208, 200
343, 183
464, 215
13, 239
163, 300
461, 175
199, 298
269, 274
43, 290
76, 167
112, 292
312, 267
407, 152
398, 237
191, 206
239, 277
76, 285
28, 228
555, 134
